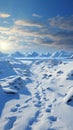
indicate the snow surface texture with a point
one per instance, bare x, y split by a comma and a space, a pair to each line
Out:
36, 94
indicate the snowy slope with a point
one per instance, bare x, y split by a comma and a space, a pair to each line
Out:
6, 69
36, 94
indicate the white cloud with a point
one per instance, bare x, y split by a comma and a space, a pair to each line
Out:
65, 23
4, 15
36, 15
3, 29
16, 35
20, 36
27, 23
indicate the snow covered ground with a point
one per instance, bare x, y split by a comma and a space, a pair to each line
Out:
36, 94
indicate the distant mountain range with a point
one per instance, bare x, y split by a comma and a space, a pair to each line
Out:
61, 54
17, 54
3, 54
57, 54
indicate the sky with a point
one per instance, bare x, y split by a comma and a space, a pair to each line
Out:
36, 25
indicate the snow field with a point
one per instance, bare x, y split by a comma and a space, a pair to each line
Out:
34, 94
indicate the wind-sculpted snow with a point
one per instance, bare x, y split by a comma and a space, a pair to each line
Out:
69, 97
70, 75
36, 94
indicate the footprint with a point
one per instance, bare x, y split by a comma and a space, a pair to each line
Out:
21, 108
32, 121
38, 96
50, 105
17, 105
52, 118
28, 100
60, 72
61, 85
50, 89
10, 123
37, 104
14, 109
48, 110
54, 100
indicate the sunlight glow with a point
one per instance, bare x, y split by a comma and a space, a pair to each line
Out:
4, 47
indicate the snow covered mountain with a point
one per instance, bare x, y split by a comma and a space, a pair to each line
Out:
45, 55
71, 57
32, 54
61, 54
3, 54
17, 54
65, 54
57, 54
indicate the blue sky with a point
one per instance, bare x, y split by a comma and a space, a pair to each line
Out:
36, 25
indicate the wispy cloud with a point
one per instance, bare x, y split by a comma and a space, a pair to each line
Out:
3, 29
4, 15
28, 23
65, 23
36, 15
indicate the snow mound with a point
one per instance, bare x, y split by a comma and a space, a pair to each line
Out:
70, 75
9, 91
69, 97
15, 83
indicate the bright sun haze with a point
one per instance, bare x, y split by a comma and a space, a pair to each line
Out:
4, 47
